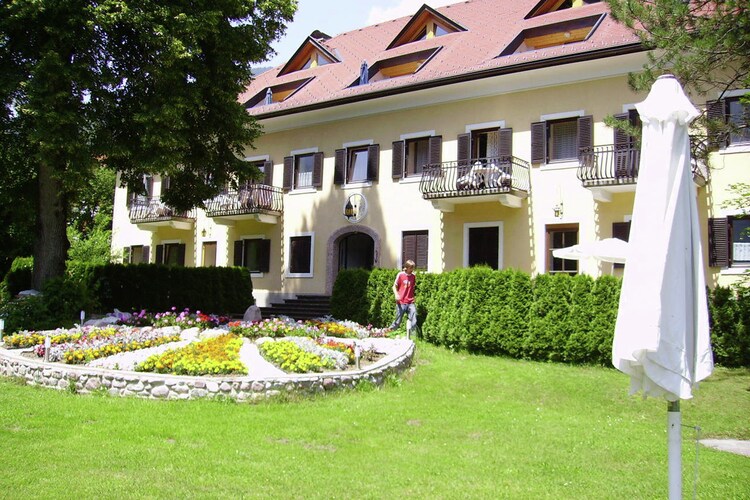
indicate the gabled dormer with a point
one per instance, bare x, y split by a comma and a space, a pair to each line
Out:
276, 93
426, 23
552, 35
311, 54
547, 6
395, 67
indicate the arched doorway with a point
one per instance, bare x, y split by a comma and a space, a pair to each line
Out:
356, 250
350, 247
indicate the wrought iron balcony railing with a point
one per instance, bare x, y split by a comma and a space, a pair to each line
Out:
476, 177
610, 164
616, 164
253, 199
148, 209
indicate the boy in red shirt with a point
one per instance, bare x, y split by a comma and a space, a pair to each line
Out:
403, 290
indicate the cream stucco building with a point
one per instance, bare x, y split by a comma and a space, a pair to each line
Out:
469, 134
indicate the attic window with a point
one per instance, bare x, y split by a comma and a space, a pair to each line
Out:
547, 6
311, 54
278, 93
404, 65
553, 35
425, 24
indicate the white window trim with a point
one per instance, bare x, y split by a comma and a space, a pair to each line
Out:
257, 158
417, 135
357, 144
561, 165
295, 153
471, 225
628, 107
170, 242
732, 93
300, 152
733, 148
562, 115
352, 145
287, 255
481, 126
254, 237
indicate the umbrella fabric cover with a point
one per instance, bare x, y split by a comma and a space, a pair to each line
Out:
606, 250
662, 335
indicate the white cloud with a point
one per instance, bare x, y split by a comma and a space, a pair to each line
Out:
402, 8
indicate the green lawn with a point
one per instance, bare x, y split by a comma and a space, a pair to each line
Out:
459, 426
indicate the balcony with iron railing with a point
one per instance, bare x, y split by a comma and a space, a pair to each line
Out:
504, 179
613, 168
256, 201
150, 212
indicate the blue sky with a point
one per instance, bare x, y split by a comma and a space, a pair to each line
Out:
335, 16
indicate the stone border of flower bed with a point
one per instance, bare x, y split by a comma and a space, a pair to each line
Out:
87, 379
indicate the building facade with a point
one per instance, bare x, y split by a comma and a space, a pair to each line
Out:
469, 134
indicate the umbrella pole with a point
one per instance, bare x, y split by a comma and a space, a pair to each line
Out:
674, 443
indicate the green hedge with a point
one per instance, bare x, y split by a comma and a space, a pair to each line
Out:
730, 325
547, 318
103, 288
155, 287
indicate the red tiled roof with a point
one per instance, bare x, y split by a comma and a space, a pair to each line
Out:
491, 26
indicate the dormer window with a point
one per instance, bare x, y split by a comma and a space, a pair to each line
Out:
547, 6
276, 93
552, 35
404, 65
311, 54
425, 24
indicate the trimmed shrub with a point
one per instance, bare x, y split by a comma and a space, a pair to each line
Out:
349, 299
730, 325
19, 276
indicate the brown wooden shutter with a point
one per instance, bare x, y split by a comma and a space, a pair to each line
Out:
238, 257
408, 247
265, 255
126, 255
339, 166
435, 150
373, 162
421, 260
585, 132
268, 173
160, 254
539, 142
288, 172
181, 254
622, 139
398, 159
464, 149
317, 177
146, 254
718, 242
716, 111
505, 137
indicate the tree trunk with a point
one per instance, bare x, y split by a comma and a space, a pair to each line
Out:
51, 243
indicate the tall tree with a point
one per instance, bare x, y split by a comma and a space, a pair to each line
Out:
139, 86
704, 43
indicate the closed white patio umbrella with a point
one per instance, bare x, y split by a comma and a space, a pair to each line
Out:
662, 335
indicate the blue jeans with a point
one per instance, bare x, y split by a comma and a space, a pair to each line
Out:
411, 312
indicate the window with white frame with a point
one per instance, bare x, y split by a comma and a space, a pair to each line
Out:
300, 254
356, 163
560, 138
483, 244
303, 170
729, 241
